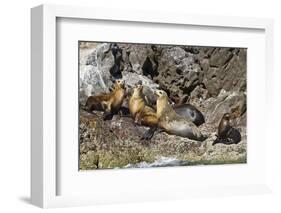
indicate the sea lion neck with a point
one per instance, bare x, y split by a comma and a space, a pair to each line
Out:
117, 87
162, 103
137, 93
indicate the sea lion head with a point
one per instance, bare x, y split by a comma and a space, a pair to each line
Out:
160, 93
138, 90
120, 84
226, 116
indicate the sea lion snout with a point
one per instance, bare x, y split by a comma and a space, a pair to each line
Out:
137, 90
227, 116
121, 83
139, 87
160, 93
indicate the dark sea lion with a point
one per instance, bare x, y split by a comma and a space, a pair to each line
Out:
190, 112
226, 133
233, 136
116, 70
109, 103
224, 126
141, 113
172, 122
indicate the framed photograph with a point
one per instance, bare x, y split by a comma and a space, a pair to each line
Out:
133, 106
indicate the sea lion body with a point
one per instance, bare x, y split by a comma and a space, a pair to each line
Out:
148, 117
110, 103
172, 122
226, 133
116, 70
140, 112
234, 136
224, 127
191, 113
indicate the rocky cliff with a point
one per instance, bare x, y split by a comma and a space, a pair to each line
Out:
212, 79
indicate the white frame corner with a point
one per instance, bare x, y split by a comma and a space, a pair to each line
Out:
43, 84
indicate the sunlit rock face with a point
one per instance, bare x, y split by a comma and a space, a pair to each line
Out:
94, 78
211, 79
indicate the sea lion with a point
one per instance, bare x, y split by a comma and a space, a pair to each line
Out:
191, 113
116, 69
173, 123
226, 133
110, 103
141, 113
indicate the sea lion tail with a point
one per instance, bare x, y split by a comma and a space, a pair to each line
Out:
216, 141
220, 140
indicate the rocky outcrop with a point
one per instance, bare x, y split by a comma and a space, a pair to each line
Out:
176, 69
117, 143
95, 63
178, 73
225, 102
224, 68
212, 79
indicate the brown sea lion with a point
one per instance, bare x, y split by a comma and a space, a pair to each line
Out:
226, 133
173, 123
187, 111
141, 113
109, 103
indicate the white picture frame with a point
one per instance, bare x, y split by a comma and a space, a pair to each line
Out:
44, 155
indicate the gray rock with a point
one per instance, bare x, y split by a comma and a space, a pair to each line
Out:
132, 79
94, 71
226, 102
117, 143
138, 55
225, 69
211, 79
178, 73
220, 57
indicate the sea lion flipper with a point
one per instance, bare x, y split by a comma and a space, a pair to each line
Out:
220, 140
149, 133
138, 118
217, 140
107, 116
202, 138
124, 111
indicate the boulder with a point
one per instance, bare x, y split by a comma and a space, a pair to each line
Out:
224, 69
226, 102
178, 73
94, 75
